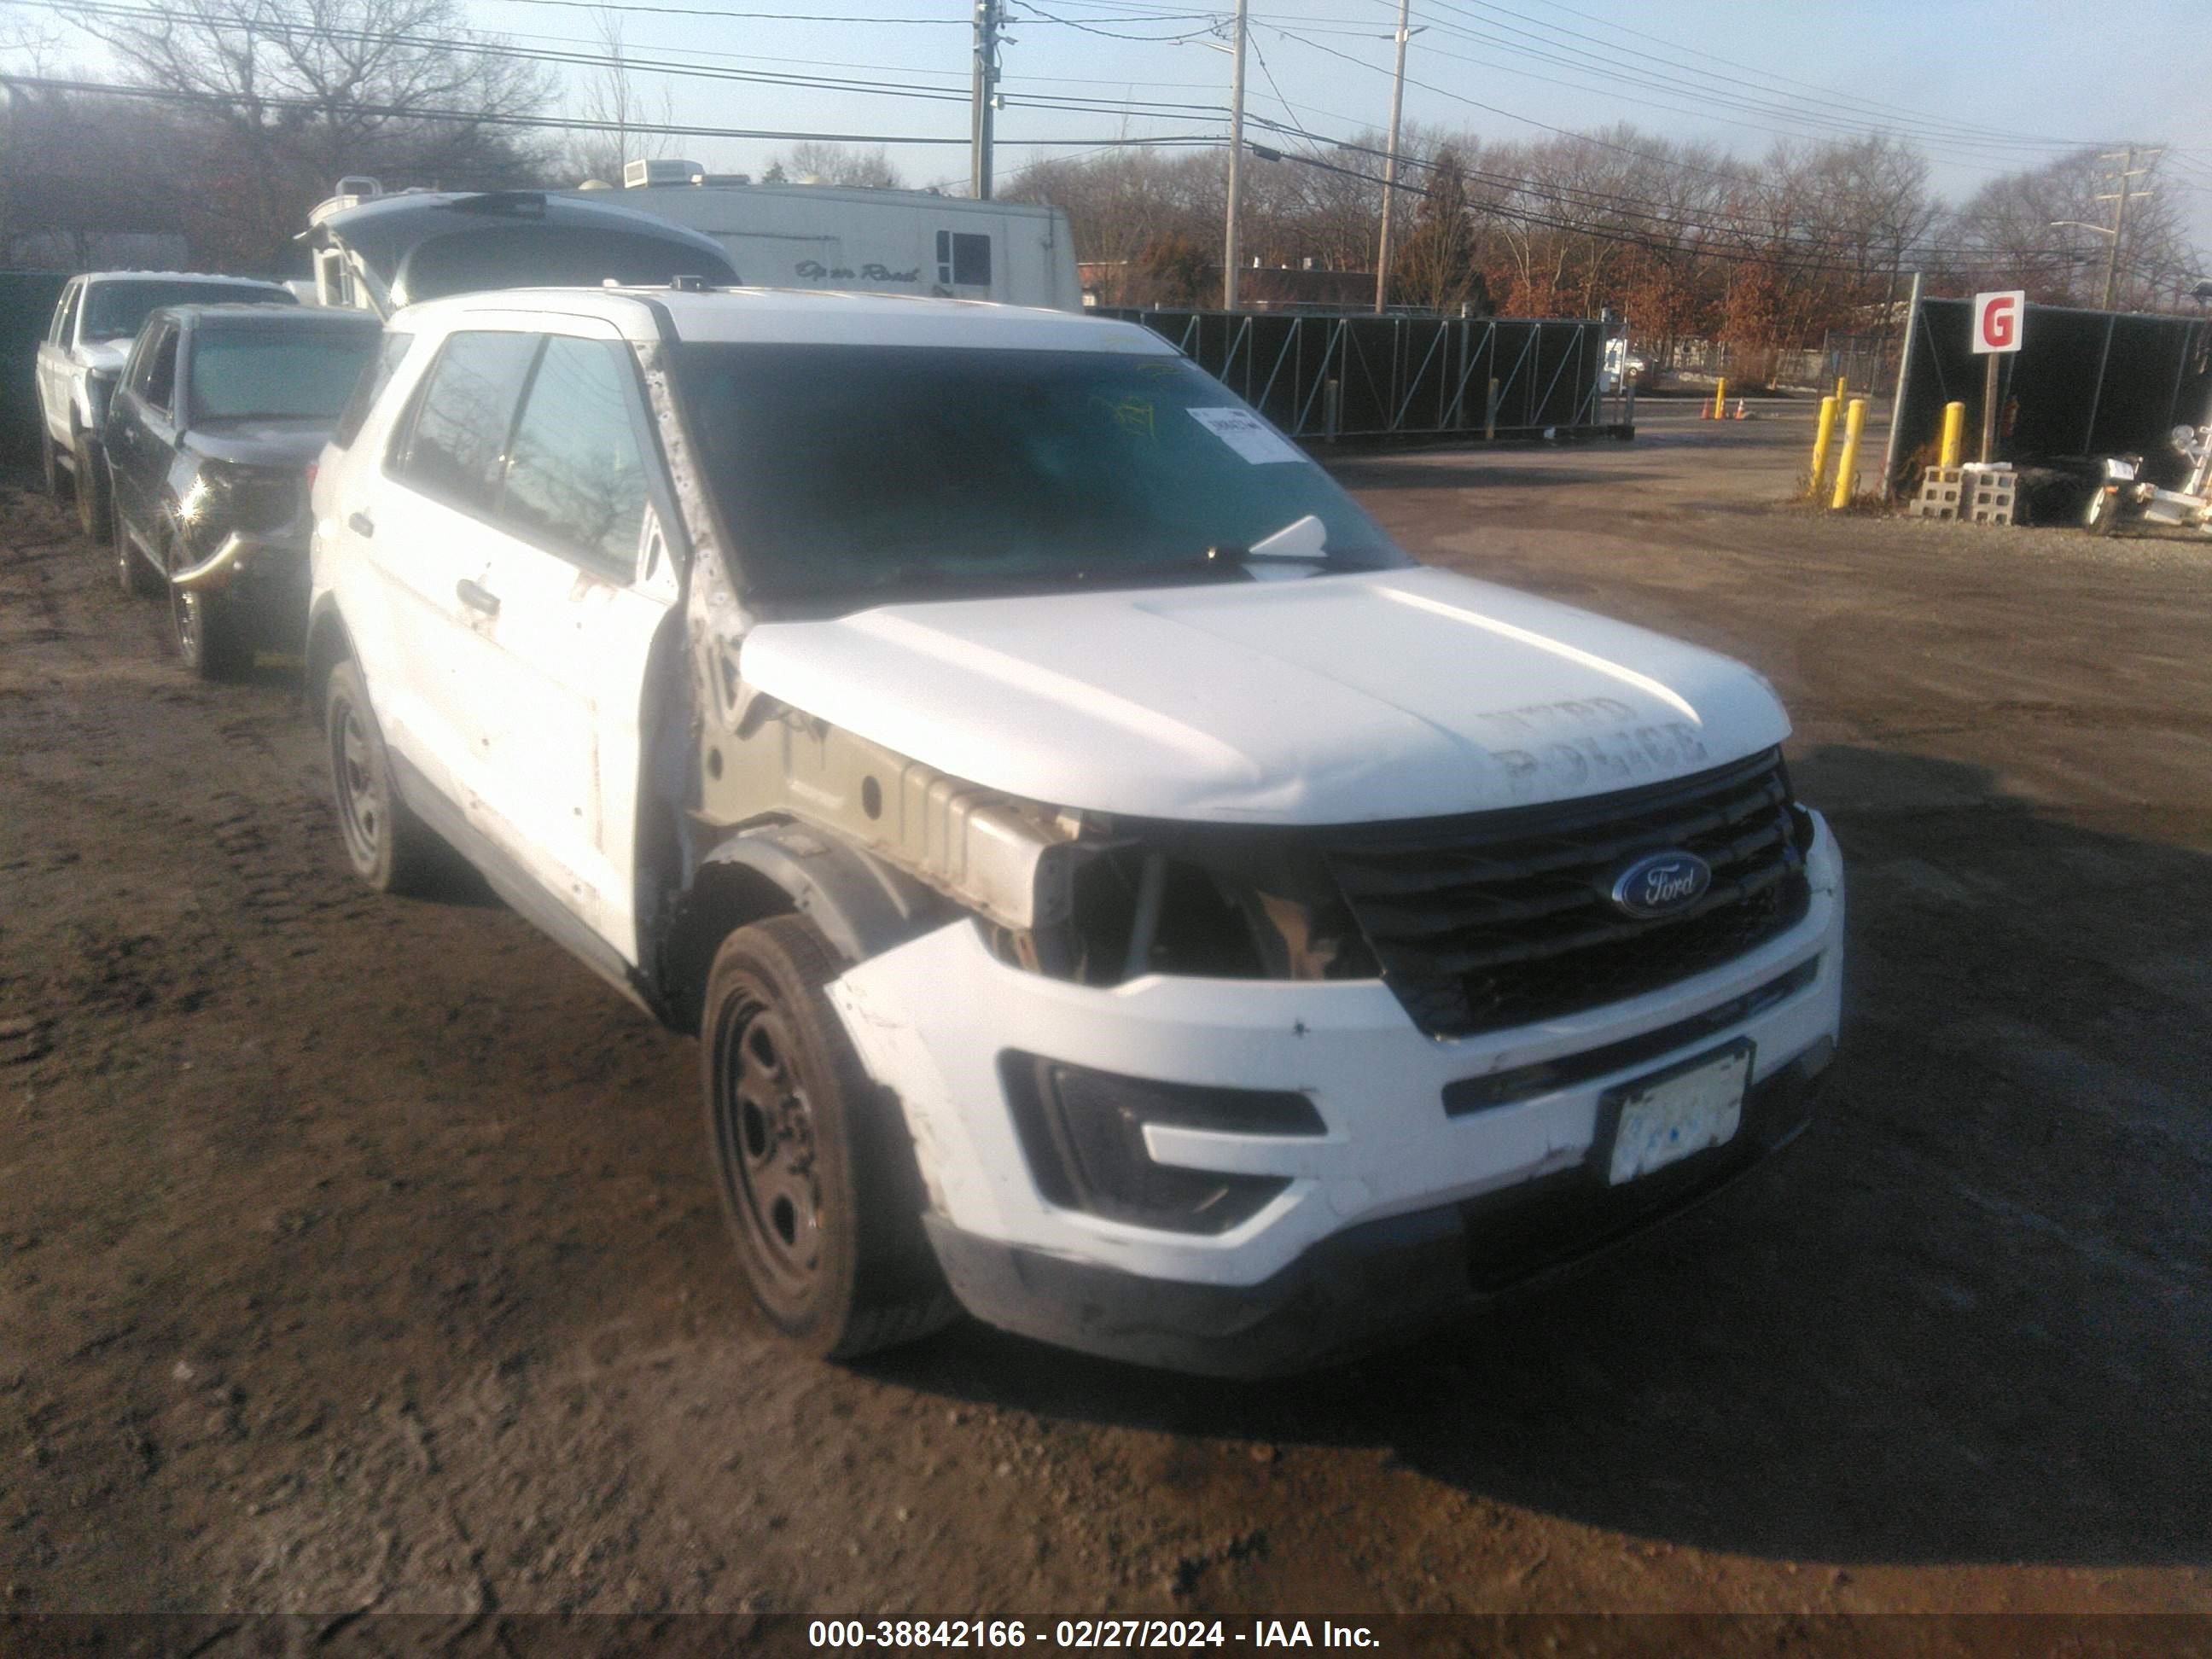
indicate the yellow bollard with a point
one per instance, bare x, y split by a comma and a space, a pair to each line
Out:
1720, 398
1954, 433
1842, 383
1847, 464
1822, 434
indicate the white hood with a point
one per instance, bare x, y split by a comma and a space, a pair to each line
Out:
104, 356
1342, 699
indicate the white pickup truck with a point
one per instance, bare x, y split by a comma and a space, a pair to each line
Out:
1117, 891
95, 323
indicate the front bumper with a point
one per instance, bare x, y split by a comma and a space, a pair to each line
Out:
1397, 1170
1377, 1282
264, 576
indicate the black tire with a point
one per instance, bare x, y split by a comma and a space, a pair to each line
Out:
49, 462
132, 574
92, 487
210, 640
387, 845
817, 1171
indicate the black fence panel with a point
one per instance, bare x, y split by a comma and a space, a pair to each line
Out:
26, 306
2083, 384
1354, 376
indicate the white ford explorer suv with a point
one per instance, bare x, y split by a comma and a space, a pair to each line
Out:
1117, 891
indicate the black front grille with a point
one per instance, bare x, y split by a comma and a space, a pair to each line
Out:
1488, 922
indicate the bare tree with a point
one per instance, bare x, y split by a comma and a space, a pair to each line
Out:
73, 169
299, 92
1437, 268
2016, 226
613, 95
836, 164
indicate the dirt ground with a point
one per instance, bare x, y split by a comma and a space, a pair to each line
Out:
361, 1253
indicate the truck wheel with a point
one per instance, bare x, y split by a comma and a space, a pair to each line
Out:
817, 1173
137, 578
387, 845
92, 491
208, 639
49, 462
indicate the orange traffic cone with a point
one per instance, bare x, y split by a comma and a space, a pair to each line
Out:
1740, 415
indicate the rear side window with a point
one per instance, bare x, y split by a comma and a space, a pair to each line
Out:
466, 408
375, 375
575, 471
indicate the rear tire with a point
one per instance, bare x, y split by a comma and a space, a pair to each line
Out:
132, 574
210, 640
817, 1171
50, 464
387, 845
92, 486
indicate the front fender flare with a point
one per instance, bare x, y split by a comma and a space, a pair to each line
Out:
862, 905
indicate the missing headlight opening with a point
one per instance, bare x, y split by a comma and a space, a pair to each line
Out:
1231, 908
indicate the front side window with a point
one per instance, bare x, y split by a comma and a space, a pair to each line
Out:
369, 385
116, 310
575, 471
304, 375
454, 446
848, 470
154, 371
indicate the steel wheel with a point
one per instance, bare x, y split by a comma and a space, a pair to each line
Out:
816, 1168
764, 1141
188, 614
387, 845
92, 487
50, 466
137, 578
360, 803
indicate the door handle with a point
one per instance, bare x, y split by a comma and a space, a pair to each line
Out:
361, 524
477, 598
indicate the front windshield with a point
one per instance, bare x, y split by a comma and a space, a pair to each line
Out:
113, 310
843, 468
308, 375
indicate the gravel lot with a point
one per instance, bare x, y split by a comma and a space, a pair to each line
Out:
361, 1253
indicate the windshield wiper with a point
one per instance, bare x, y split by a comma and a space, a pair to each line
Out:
1302, 541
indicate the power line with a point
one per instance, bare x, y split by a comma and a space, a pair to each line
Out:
1091, 28
494, 48
477, 117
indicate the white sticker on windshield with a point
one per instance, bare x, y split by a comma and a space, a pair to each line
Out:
1248, 434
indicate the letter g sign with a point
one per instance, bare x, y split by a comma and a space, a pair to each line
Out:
1997, 319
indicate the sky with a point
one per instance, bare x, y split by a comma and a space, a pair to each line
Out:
1982, 87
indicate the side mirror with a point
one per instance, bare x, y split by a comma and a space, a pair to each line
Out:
2185, 438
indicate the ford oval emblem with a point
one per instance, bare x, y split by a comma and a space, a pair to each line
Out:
1661, 885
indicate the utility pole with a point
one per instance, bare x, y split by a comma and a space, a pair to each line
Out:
2120, 199
1390, 162
1229, 257
986, 94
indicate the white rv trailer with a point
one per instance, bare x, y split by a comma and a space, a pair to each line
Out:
878, 242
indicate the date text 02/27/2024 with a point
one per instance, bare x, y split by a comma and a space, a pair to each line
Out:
1085, 1633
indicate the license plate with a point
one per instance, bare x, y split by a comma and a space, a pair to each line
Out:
1662, 1119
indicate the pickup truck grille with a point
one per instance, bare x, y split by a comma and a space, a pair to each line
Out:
1485, 923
